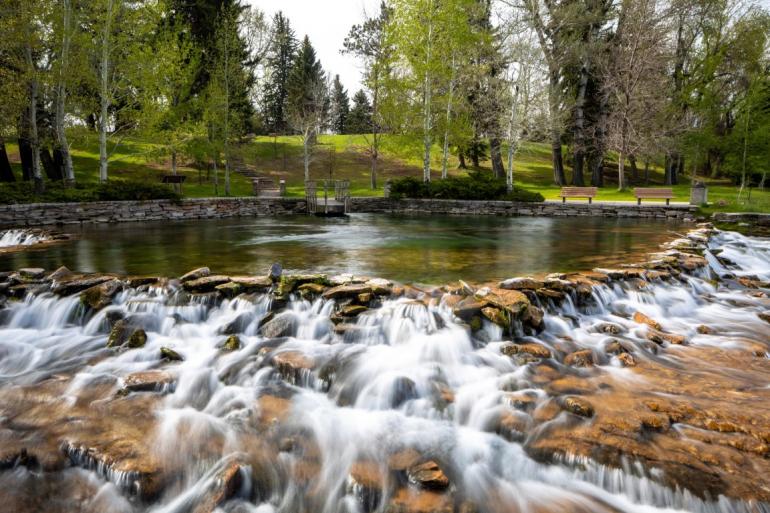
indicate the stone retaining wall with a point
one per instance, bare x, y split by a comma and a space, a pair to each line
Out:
746, 217
506, 208
40, 214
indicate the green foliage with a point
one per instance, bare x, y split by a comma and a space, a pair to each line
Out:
23, 192
360, 118
280, 59
475, 186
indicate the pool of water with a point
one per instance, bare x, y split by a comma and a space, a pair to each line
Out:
426, 249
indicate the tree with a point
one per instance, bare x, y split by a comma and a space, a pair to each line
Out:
280, 59
370, 44
63, 70
360, 119
307, 98
340, 107
633, 78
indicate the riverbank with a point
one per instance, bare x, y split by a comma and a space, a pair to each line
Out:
44, 214
303, 382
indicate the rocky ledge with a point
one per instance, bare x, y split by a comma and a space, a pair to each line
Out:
696, 416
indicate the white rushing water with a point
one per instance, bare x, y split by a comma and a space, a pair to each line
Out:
9, 238
375, 390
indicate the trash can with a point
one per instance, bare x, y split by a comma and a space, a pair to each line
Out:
386, 188
699, 194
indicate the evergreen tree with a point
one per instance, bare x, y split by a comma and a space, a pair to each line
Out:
340, 107
281, 56
360, 119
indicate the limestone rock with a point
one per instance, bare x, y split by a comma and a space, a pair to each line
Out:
765, 316
169, 354
280, 326
577, 406
583, 358
76, 284
640, 318
32, 273
525, 283
62, 273
428, 475
233, 343
196, 274
99, 296
252, 283
205, 284
497, 316
229, 289
346, 291
530, 348
147, 381
137, 339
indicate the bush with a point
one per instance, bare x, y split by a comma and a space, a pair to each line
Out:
56, 192
475, 186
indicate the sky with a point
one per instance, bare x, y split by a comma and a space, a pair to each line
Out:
327, 22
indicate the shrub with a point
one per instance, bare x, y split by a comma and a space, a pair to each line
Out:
475, 186
56, 192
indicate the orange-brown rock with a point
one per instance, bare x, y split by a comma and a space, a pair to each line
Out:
641, 318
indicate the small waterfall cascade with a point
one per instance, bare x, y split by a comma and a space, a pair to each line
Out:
10, 238
647, 391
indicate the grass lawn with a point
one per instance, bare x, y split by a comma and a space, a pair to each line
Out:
346, 157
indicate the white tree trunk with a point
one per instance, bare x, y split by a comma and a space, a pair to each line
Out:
306, 152
621, 171
427, 99
105, 93
512, 138
445, 153
61, 92
34, 141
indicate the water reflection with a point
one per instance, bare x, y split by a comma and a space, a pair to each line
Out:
409, 248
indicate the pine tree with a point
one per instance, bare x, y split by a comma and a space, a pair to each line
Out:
280, 59
340, 107
360, 119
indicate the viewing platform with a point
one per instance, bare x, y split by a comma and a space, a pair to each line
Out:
322, 203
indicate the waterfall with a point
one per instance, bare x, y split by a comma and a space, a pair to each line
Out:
10, 238
327, 419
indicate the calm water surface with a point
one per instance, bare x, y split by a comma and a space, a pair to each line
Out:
412, 249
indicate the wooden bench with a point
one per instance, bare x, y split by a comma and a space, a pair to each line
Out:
650, 193
266, 188
578, 192
174, 179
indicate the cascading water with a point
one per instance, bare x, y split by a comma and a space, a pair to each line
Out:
9, 238
405, 409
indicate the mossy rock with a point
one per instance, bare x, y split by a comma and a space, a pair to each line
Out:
290, 283
169, 354
233, 343
229, 290
137, 339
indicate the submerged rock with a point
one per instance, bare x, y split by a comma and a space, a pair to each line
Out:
169, 354
233, 343
137, 339
148, 381
641, 318
577, 406
279, 326
583, 358
531, 348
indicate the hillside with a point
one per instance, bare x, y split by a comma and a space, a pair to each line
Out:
346, 157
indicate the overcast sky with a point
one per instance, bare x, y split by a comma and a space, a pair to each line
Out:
327, 22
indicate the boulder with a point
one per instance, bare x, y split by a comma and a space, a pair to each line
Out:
583, 358
205, 284
765, 316
311, 289
137, 339
99, 296
147, 381
347, 291
223, 484
660, 337
293, 366
141, 281
352, 310
32, 273
468, 308
640, 318
166, 353
704, 330
531, 348
610, 328
497, 316
380, 286
534, 316
275, 272
627, 360
229, 289
522, 284
252, 283
279, 326
233, 343
428, 475
196, 274
291, 282
75, 284
513, 301
62, 273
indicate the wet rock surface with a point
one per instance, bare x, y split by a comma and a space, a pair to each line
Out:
308, 393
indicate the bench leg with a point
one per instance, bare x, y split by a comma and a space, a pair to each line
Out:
639, 201
563, 200
668, 202
590, 200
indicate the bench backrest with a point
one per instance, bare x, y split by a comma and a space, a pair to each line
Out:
660, 193
265, 183
173, 179
581, 192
